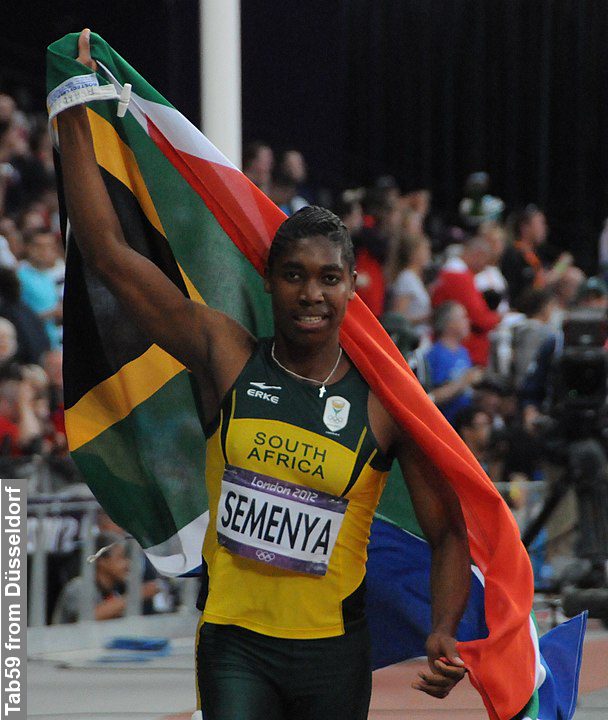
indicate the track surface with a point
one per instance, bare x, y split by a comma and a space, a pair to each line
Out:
75, 685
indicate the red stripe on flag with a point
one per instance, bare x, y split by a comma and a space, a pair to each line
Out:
247, 216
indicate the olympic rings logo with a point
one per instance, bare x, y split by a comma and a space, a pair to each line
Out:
265, 556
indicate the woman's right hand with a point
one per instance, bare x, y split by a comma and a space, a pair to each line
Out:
84, 50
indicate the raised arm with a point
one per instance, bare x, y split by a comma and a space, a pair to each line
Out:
440, 516
206, 341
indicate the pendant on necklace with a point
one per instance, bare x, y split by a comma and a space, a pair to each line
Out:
322, 391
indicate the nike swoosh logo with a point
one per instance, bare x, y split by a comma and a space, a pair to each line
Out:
263, 386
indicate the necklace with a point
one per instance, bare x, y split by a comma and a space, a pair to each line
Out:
322, 389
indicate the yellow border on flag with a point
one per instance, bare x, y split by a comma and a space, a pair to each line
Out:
113, 399
117, 396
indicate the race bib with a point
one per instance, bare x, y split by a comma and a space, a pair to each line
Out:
278, 523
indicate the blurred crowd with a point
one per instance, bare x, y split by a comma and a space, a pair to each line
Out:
474, 297
32, 272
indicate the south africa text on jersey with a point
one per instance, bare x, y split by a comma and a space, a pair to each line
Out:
290, 453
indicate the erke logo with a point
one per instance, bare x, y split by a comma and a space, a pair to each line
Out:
258, 391
336, 412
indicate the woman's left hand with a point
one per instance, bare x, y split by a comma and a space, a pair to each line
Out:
446, 667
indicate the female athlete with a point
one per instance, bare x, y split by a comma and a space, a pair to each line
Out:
298, 448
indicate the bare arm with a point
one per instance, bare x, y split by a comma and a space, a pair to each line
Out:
440, 516
206, 341
111, 607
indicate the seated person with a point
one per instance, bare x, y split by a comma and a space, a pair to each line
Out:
451, 373
111, 573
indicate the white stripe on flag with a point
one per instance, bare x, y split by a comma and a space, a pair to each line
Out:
181, 553
178, 130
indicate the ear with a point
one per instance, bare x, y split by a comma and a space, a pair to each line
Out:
353, 290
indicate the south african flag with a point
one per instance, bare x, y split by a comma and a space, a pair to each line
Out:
134, 427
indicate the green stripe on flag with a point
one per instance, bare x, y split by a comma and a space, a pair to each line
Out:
160, 465
396, 505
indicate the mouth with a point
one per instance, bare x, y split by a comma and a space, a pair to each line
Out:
310, 322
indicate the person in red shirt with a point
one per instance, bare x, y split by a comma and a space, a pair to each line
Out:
371, 285
456, 282
19, 426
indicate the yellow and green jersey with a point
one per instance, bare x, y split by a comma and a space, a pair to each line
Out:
278, 431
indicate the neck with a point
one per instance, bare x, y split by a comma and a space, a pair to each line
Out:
310, 361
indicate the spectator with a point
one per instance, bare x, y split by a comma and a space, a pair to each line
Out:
370, 254
475, 427
282, 192
38, 282
111, 573
32, 340
525, 336
9, 230
477, 206
258, 161
348, 209
456, 282
521, 263
567, 289
294, 166
450, 372
20, 428
536, 385
490, 281
409, 296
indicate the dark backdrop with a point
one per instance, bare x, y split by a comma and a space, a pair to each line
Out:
427, 90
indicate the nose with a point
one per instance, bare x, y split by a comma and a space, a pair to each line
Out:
311, 292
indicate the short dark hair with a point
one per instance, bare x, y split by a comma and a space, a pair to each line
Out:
523, 217
465, 418
442, 315
532, 300
251, 151
308, 222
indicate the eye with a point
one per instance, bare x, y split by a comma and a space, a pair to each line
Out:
332, 279
291, 275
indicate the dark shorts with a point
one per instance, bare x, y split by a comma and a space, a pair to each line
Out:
243, 675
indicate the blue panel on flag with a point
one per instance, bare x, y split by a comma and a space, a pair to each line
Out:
562, 653
398, 596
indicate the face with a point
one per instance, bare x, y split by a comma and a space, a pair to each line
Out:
116, 563
478, 434
490, 402
477, 258
311, 287
42, 250
536, 228
295, 166
459, 324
